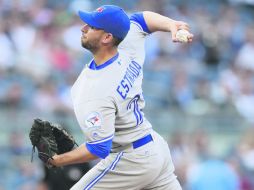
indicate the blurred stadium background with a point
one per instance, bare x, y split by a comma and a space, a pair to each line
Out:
200, 97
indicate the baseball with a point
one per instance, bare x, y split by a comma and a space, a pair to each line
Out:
182, 35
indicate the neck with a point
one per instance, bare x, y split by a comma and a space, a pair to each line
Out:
104, 55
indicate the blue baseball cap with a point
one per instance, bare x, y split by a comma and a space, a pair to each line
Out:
110, 18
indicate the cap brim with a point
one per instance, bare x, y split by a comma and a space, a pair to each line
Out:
87, 18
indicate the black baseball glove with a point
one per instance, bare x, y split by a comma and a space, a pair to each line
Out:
49, 139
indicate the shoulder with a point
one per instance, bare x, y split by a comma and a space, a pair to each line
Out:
138, 20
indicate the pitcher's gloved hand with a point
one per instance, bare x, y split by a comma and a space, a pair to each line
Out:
49, 139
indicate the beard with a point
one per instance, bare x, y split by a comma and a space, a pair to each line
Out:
91, 46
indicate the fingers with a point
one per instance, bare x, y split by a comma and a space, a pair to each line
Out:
190, 37
173, 35
180, 25
183, 26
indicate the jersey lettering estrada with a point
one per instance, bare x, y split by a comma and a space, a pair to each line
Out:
108, 100
131, 74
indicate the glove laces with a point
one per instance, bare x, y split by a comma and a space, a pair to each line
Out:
32, 155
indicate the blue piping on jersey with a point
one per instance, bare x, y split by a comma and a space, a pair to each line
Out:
101, 140
93, 65
111, 167
140, 20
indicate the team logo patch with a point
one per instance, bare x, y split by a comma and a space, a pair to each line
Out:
93, 120
100, 9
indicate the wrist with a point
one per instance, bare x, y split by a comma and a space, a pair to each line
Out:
171, 25
53, 160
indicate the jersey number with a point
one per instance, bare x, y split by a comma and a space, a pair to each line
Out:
134, 103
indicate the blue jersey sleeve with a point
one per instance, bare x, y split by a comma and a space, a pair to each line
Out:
139, 18
100, 148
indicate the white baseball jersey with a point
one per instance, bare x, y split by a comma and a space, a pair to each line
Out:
108, 100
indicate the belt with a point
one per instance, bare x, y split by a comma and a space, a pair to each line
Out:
140, 142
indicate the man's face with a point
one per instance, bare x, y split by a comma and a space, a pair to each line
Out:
91, 38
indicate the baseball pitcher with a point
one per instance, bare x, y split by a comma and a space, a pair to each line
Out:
108, 103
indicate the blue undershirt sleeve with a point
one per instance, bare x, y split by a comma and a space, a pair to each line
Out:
139, 18
100, 149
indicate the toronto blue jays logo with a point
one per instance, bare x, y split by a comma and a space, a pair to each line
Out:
93, 120
100, 9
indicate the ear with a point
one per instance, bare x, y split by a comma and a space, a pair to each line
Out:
107, 38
